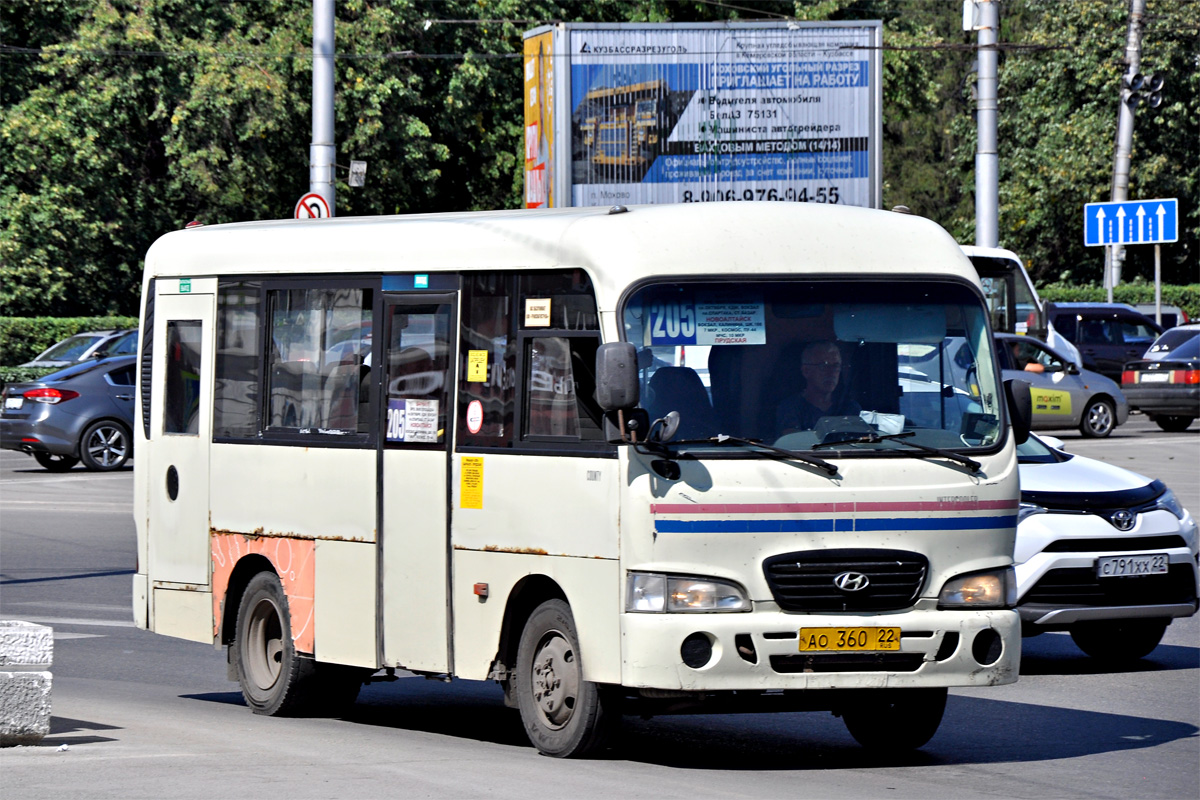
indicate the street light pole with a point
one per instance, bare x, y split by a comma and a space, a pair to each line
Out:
1129, 84
321, 154
987, 159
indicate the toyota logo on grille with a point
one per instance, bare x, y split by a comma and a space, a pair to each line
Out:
1122, 520
851, 581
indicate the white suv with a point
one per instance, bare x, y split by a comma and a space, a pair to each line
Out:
1102, 552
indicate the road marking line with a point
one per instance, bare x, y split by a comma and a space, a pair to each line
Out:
62, 635
102, 623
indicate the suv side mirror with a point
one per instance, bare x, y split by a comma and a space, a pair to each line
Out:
1020, 408
616, 376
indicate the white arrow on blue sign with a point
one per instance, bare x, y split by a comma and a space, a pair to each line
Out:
1133, 222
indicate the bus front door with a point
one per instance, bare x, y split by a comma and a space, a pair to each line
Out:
417, 381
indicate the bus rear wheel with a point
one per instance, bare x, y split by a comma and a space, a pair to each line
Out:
895, 719
275, 681
564, 715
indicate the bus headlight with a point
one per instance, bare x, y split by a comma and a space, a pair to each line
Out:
993, 588
652, 593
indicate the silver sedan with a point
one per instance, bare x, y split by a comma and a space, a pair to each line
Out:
1064, 396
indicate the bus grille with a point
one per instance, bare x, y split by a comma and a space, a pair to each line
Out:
804, 581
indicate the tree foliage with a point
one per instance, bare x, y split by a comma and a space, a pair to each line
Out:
124, 119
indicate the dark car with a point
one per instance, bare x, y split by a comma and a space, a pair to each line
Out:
1107, 334
81, 413
1166, 388
85, 346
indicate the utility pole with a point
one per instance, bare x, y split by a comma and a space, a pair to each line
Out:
1132, 81
321, 153
984, 17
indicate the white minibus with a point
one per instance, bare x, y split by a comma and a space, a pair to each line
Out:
645, 460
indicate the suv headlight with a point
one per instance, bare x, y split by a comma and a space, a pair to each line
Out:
1167, 501
1028, 510
648, 592
993, 588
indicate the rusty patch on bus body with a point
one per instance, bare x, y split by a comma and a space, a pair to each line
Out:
529, 551
293, 561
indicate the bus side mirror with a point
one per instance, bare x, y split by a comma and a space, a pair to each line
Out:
1020, 408
617, 393
616, 376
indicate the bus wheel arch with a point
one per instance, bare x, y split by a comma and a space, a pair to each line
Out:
243, 572
526, 595
276, 679
564, 715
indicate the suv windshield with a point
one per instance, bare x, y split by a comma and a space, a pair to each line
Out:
837, 366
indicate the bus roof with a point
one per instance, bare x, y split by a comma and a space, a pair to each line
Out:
616, 249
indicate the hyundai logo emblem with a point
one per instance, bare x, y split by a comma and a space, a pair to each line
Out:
851, 581
1122, 519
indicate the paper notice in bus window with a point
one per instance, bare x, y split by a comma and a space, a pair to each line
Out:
537, 312
477, 366
471, 482
707, 321
412, 421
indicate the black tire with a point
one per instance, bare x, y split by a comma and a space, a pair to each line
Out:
895, 720
105, 445
54, 462
1119, 641
275, 680
563, 715
1099, 419
1173, 423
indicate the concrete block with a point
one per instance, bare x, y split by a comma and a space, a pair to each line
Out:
26, 653
24, 707
23, 644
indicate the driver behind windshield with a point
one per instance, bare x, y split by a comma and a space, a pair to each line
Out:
821, 368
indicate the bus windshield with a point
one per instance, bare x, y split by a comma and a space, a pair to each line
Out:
844, 366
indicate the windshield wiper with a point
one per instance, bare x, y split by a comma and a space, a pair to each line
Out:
820, 463
875, 438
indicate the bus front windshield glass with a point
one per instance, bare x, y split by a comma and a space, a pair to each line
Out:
831, 366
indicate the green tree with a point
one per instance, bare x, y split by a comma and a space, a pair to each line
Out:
1057, 124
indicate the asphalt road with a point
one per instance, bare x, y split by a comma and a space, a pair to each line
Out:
141, 715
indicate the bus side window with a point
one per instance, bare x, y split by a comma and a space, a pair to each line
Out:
561, 384
318, 340
182, 406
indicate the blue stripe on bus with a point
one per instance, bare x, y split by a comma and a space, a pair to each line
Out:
830, 525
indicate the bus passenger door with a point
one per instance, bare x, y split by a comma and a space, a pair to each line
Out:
417, 378
180, 430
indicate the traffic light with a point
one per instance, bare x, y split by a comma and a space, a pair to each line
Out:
1139, 88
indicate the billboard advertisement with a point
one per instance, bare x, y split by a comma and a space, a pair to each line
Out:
539, 128
699, 112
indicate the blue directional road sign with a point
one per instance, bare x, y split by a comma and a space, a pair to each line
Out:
1133, 222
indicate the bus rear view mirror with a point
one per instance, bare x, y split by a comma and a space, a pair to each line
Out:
616, 376
1020, 408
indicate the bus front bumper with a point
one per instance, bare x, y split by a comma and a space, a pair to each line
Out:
761, 651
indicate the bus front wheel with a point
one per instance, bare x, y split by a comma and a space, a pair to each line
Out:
275, 681
895, 719
564, 715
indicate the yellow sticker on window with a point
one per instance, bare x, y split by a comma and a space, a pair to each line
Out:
477, 366
471, 482
1050, 401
